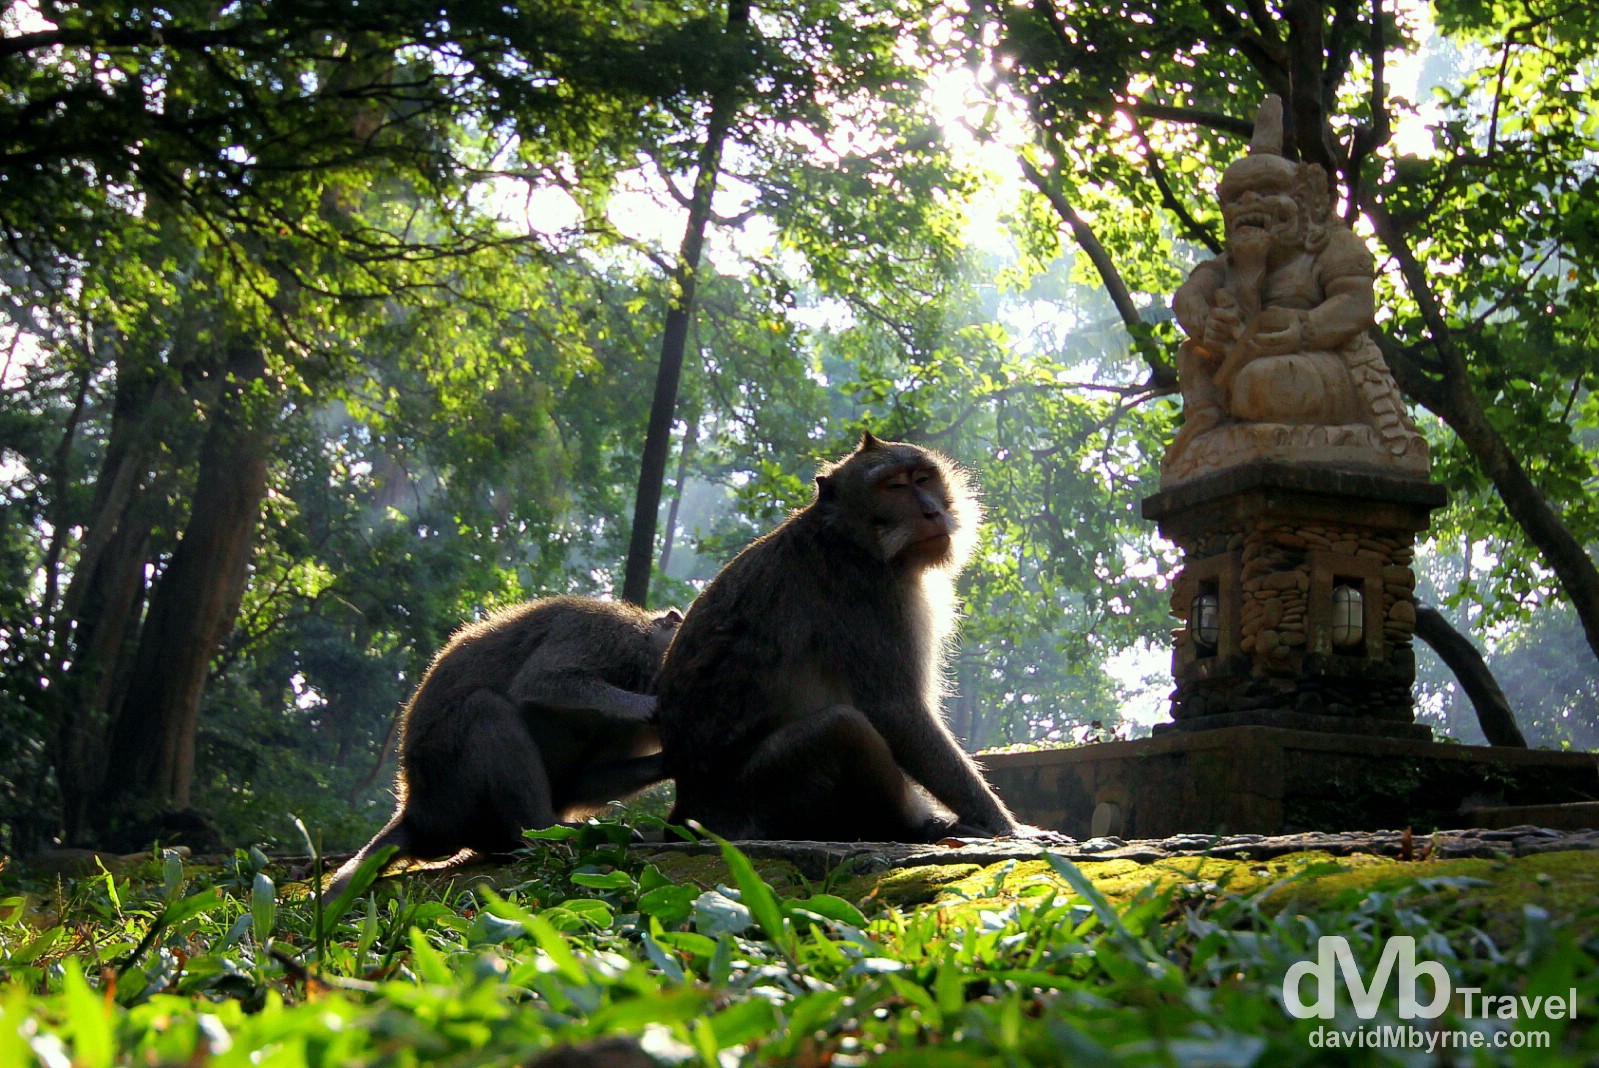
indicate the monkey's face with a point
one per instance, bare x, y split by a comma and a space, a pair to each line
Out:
663, 628
911, 516
909, 505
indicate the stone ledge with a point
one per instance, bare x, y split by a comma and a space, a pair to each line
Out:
1346, 483
1576, 816
817, 859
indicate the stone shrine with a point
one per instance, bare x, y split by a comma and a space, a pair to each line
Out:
1297, 483
1296, 596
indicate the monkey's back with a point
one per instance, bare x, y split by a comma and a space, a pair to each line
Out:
607, 639
804, 600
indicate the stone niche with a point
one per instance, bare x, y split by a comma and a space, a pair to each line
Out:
1295, 597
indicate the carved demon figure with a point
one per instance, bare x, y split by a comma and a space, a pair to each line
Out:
1278, 363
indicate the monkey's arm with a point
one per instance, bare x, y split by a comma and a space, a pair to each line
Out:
927, 752
581, 691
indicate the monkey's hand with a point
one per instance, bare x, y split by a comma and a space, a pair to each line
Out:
1041, 835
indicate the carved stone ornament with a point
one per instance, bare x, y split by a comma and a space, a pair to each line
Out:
1279, 364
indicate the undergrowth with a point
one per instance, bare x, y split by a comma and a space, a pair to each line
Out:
174, 964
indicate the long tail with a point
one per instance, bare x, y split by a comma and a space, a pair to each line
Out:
394, 833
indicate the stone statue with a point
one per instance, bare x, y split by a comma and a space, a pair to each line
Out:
1278, 363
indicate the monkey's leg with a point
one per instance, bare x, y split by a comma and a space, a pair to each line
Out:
483, 789
828, 777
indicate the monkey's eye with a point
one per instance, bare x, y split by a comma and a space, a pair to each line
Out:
924, 478
896, 484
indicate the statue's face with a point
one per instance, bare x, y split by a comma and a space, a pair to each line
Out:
1257, 203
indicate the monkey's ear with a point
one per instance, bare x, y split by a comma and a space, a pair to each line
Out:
825, 490
869, 441
669, 618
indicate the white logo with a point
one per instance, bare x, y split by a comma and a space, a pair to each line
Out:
1333, 953
1334, 957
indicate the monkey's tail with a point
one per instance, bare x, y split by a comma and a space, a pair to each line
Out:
397, 832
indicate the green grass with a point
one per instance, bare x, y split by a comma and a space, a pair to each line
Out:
175, 965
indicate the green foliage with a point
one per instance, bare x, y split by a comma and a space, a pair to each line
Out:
170, 964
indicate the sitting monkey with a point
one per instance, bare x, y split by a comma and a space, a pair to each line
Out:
801, 698
536, 714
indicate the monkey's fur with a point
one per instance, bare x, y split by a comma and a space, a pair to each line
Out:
801, 696
536, 714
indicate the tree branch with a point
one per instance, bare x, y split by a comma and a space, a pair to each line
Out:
1368, 138
1084, 235
1494, 713
127, 37
1267, 56
1168, 197
1214, 120
1161, 373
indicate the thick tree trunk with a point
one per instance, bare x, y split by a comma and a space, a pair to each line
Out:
1456, 651
674, 337
193, 607
1450, 397
103, 650
97, 629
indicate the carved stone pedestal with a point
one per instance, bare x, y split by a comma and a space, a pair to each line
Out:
1295, 595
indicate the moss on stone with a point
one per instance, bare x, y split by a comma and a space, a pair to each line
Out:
907, 887
1564, 884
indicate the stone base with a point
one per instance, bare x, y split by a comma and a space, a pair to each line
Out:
1306, 595
1269, 780
1576, 816
1359, 726
1354, 446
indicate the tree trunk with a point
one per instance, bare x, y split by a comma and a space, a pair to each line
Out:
1450, 397
193, 607
674, 337
690, 437
104, 648
98, 625
1461, 657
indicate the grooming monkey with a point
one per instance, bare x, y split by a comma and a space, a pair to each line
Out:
540, 712
801, 696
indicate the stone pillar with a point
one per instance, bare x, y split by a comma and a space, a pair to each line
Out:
1310, 571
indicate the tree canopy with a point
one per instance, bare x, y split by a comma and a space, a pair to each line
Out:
329, 325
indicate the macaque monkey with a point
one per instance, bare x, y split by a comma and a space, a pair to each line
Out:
801, 696
539, 713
